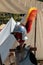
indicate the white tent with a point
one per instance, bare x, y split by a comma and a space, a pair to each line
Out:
6, 39
7, 30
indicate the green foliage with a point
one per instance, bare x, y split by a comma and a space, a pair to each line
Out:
4, 17
17, 17
40, 0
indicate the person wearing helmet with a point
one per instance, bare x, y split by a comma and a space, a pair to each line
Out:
21, 52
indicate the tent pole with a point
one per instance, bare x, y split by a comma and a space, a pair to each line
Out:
35, 34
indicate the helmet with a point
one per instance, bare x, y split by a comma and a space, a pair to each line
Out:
21, 29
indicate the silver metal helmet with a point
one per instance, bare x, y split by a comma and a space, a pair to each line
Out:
21, 29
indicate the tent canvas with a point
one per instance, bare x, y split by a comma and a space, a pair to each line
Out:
19, 6
6, 39
5, 32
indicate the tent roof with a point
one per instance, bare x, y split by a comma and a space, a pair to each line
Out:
18, 6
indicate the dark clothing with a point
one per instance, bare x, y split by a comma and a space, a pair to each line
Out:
33, 58
25, 56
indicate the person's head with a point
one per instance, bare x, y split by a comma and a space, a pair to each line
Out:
20, 34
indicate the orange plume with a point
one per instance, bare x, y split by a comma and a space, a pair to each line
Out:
30, 17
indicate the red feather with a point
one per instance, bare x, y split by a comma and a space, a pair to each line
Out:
30, 19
